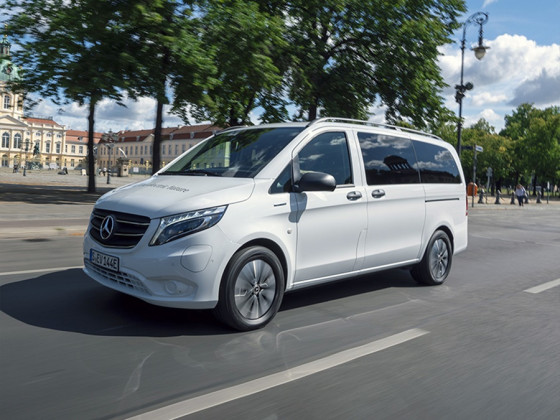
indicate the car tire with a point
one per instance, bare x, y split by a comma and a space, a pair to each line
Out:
251, 290
436, 262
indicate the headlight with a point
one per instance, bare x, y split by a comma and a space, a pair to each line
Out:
179, 225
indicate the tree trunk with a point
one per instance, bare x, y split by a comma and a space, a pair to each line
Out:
156, 153
91, 155
312, 112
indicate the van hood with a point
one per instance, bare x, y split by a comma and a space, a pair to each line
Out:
163, 195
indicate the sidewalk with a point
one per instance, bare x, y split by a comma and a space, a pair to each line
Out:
44, 204
505, 203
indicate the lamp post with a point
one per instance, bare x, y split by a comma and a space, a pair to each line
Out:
479, 18
109, 139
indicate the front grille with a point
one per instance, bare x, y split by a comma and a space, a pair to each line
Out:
124, 280
127, 232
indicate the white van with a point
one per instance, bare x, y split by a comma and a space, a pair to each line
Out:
253, 212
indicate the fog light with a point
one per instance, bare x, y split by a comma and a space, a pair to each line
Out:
176, 288
171, 287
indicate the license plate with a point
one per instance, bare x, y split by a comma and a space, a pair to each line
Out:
104, 260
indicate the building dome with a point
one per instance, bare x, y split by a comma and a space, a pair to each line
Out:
8, 70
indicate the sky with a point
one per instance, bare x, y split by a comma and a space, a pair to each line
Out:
522, 65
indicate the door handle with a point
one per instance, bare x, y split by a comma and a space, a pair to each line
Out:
354, 195
377, 193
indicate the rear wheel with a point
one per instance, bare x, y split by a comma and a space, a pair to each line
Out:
252, 289
436, 263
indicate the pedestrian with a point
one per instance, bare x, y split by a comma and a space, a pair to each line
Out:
520, 194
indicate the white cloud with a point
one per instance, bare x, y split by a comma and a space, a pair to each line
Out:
136, 115
493, 118
515, 70
488, 2
486, 98
543, 90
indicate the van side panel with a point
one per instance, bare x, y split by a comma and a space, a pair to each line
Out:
445, 207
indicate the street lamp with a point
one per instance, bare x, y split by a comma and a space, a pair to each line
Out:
109, 139
479, 18
26, 143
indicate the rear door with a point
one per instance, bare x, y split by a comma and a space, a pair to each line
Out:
396, 200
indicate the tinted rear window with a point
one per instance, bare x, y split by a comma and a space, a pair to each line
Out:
388, 159
436, 164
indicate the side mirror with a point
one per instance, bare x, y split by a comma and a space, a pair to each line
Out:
315, 181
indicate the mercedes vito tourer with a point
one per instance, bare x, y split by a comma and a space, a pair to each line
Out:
253, 212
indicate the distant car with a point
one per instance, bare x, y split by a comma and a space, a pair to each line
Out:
253, 212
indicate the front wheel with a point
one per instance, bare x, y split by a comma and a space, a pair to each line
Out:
252, 289
436, 263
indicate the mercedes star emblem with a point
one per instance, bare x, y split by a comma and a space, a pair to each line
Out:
107, 226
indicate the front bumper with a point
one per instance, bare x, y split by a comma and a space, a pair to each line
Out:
185, 273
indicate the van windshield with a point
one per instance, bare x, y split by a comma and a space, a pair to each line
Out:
237, 153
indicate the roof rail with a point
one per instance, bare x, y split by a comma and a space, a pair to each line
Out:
233, 127
371, 124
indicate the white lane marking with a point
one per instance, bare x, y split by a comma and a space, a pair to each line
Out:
203, 402
40, 270
544, 286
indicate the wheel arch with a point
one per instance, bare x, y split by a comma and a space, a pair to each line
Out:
271, 245
449, 234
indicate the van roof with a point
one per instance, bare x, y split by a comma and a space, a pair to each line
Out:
326, 120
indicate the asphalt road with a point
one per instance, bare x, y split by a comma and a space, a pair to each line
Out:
482, 346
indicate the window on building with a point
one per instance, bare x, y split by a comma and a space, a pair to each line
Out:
81, 150
5, 140
58, 146
17, 141
48, 147
6, 101
37, 134
73, 149
49, 134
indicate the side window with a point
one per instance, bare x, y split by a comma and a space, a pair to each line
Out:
436, 164
388, 159
283, 183
328, 153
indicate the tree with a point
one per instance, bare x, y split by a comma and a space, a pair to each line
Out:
350, 54
536, 137
73, 51
171, 59
496, 155
247, 43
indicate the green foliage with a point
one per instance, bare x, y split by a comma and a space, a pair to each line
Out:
246, 43
350, 54
73, 51
496, 155
166, 45
536, 141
